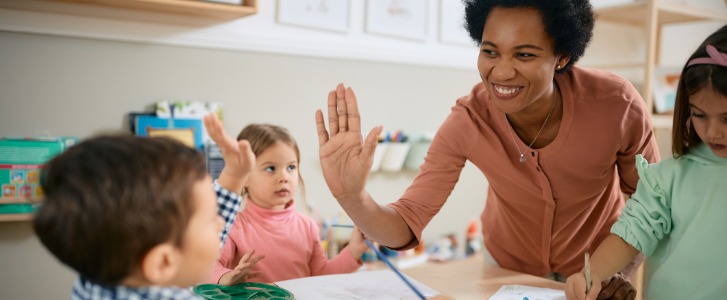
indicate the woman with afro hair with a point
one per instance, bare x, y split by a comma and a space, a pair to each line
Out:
556, 142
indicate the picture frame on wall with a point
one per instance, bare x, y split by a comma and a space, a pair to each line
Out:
451, 23
398, 18
330, 15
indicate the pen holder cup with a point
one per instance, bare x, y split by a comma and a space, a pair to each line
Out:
394, 157
416, 155
379, 156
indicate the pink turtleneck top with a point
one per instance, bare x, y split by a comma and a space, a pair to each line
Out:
289, 240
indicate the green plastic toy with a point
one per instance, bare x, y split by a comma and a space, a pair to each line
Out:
247, 290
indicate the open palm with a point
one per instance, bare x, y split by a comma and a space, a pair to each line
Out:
345, 158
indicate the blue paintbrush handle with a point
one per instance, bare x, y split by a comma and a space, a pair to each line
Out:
383, 258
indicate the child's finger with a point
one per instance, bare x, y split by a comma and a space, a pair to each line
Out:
256, 259
245, 257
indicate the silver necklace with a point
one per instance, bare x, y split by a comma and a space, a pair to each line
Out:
509, 127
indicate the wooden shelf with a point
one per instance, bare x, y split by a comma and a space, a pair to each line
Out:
668, 13
15, 217
652, 15
194, 8
6, 200
20, 216
662, 120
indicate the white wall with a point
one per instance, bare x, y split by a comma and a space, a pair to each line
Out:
70, 86
75, 75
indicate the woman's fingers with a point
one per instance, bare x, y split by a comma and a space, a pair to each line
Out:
341, 108
321, 126
370, 143
343, 114
332, 113
354, 119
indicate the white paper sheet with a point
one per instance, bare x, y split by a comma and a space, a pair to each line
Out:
523, 292
380, 284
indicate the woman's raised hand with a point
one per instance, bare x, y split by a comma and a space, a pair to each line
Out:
345, 160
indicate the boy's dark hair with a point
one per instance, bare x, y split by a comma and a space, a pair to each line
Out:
110, 199
262, 136
693, 79
568, 22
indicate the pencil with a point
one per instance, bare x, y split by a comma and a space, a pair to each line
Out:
587, 271
383, 258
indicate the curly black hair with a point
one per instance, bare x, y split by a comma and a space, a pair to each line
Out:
569, 22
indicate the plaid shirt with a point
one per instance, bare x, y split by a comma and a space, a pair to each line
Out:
228, 203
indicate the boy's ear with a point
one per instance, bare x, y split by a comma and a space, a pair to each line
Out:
161, 264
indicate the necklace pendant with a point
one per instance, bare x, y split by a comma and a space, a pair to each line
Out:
522, 158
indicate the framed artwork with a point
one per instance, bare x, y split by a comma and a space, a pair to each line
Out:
399, 18
451, 23
320, 14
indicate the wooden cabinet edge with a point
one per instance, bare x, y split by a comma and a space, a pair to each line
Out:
11, 217
193, 8
16, 217
662, 120
13, 200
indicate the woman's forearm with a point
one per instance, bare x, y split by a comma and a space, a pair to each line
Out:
379, 223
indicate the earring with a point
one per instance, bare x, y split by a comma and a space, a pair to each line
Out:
557, 67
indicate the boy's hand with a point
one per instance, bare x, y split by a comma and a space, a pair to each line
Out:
575, 287
356, 244
238, 156
243, 271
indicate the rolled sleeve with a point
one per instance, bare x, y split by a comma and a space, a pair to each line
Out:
646, 219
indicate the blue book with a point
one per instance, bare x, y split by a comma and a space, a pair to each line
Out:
188, 131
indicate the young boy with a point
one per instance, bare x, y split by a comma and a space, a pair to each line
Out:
136, 217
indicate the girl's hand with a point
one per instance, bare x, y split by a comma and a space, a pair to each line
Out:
345, 160
243, 271
356, 244
575, 287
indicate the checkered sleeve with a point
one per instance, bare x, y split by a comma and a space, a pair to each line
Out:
84, 289
228, 204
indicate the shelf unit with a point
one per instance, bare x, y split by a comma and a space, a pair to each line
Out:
194, 8
651, 15
17, 217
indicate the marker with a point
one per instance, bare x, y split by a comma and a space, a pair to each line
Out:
342, 225
383, 258
587, 271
